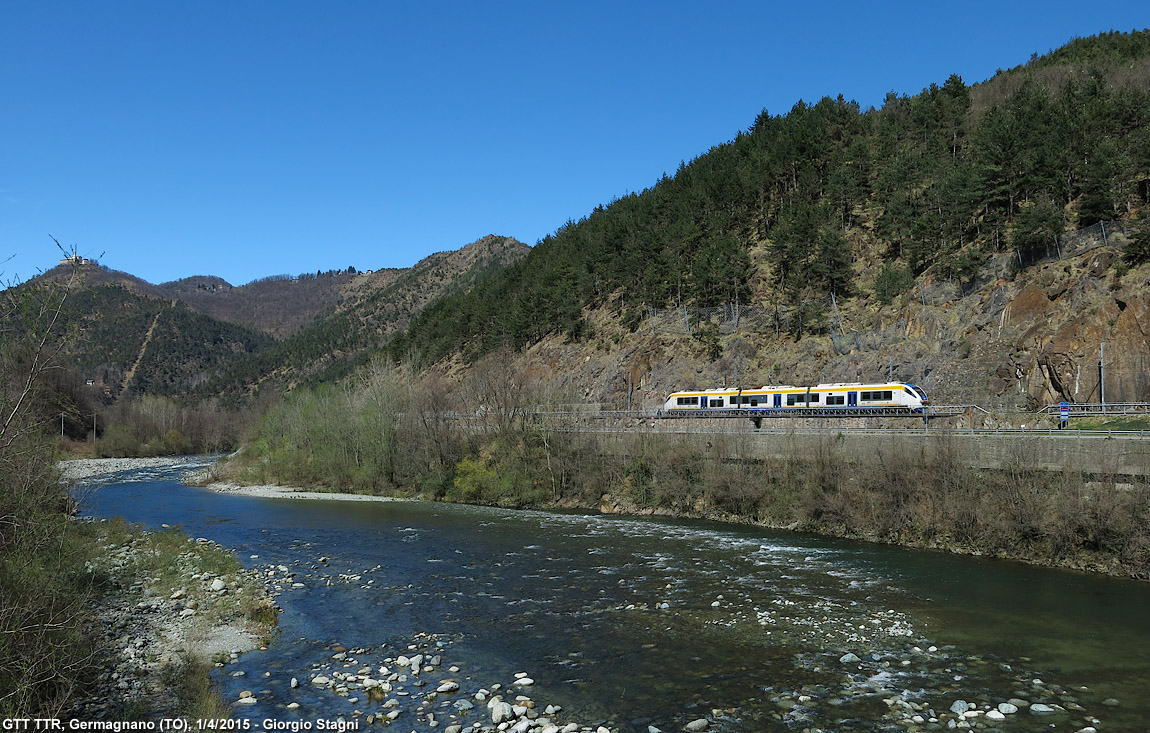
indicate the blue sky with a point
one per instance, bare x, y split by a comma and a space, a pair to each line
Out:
245, 139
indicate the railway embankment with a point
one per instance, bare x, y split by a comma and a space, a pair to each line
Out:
1100, 453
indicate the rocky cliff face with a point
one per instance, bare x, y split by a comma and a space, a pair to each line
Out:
1066, 314
1010, 341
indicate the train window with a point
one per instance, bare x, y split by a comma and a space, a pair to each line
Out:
717, 403
886, 395
836, 400
685, 401
793, 399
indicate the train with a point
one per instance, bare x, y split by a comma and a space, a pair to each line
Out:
846, 399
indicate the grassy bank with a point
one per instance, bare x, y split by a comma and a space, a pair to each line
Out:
914, 496
69, 592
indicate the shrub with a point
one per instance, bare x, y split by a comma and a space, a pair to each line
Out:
892, 280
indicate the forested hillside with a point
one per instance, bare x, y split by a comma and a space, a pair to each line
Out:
132, 344
333, 346
279, 305
831, 198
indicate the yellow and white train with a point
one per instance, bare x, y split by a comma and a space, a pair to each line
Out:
882, 398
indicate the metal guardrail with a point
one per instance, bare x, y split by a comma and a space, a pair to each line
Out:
1099, 408
576, 417
596, 422
680, 427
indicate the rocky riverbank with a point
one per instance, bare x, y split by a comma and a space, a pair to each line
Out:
171, 606
93, 468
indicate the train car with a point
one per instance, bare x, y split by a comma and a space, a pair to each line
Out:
890, 398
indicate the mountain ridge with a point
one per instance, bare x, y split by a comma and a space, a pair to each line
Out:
201, 338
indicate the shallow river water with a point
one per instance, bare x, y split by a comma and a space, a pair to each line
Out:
634, 623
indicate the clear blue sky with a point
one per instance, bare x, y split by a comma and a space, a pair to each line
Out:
245, 139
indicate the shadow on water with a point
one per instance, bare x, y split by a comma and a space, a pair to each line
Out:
655, 622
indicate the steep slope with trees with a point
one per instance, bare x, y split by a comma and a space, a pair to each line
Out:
955, 190
334, 346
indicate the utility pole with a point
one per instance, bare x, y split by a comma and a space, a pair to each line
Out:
1102, 376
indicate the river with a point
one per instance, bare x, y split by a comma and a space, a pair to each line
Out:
635, 622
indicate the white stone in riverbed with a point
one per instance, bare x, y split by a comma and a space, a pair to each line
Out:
500, 711
1007, 708
849, 658
958, 707
294, 682
697, 725
1040, 709
187, 612
994, 715
293, 706
218, 585
321, 680
524, 682
447, 686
